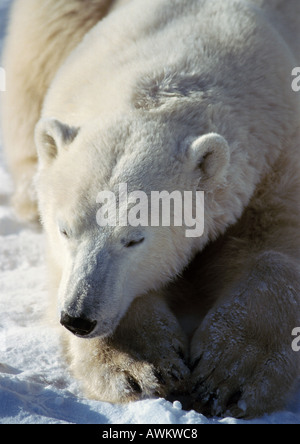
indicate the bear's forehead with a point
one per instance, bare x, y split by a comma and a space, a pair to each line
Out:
142, 169
139, 152
134, 142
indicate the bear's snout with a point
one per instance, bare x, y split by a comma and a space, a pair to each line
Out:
78, 326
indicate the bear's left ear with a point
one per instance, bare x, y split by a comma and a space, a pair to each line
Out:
51, 137
210, 155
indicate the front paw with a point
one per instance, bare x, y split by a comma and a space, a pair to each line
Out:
158, 361
237, 370
111, 373
151, 336
155, 376
145, 357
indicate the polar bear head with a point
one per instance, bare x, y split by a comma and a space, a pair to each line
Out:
102, 269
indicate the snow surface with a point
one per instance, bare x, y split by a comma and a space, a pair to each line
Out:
35, 386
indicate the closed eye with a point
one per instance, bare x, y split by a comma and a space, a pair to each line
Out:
65, 234
134, 243
64, 230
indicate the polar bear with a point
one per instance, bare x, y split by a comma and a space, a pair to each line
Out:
175, 95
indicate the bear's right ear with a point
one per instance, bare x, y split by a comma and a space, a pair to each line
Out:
52, 136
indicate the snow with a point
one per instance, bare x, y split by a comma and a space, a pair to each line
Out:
35, 387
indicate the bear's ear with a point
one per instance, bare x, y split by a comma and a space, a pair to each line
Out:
52, 136
210, 155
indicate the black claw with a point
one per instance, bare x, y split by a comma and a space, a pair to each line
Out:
195, 364
205, 404
205, 398
183, 358
200, 387
134, 384
159, 377
175, 377
234, 399
209, 404
181, 354
203, 380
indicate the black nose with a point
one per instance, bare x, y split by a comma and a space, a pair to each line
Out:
78, 326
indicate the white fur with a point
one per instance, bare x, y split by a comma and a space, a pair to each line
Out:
179, 95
